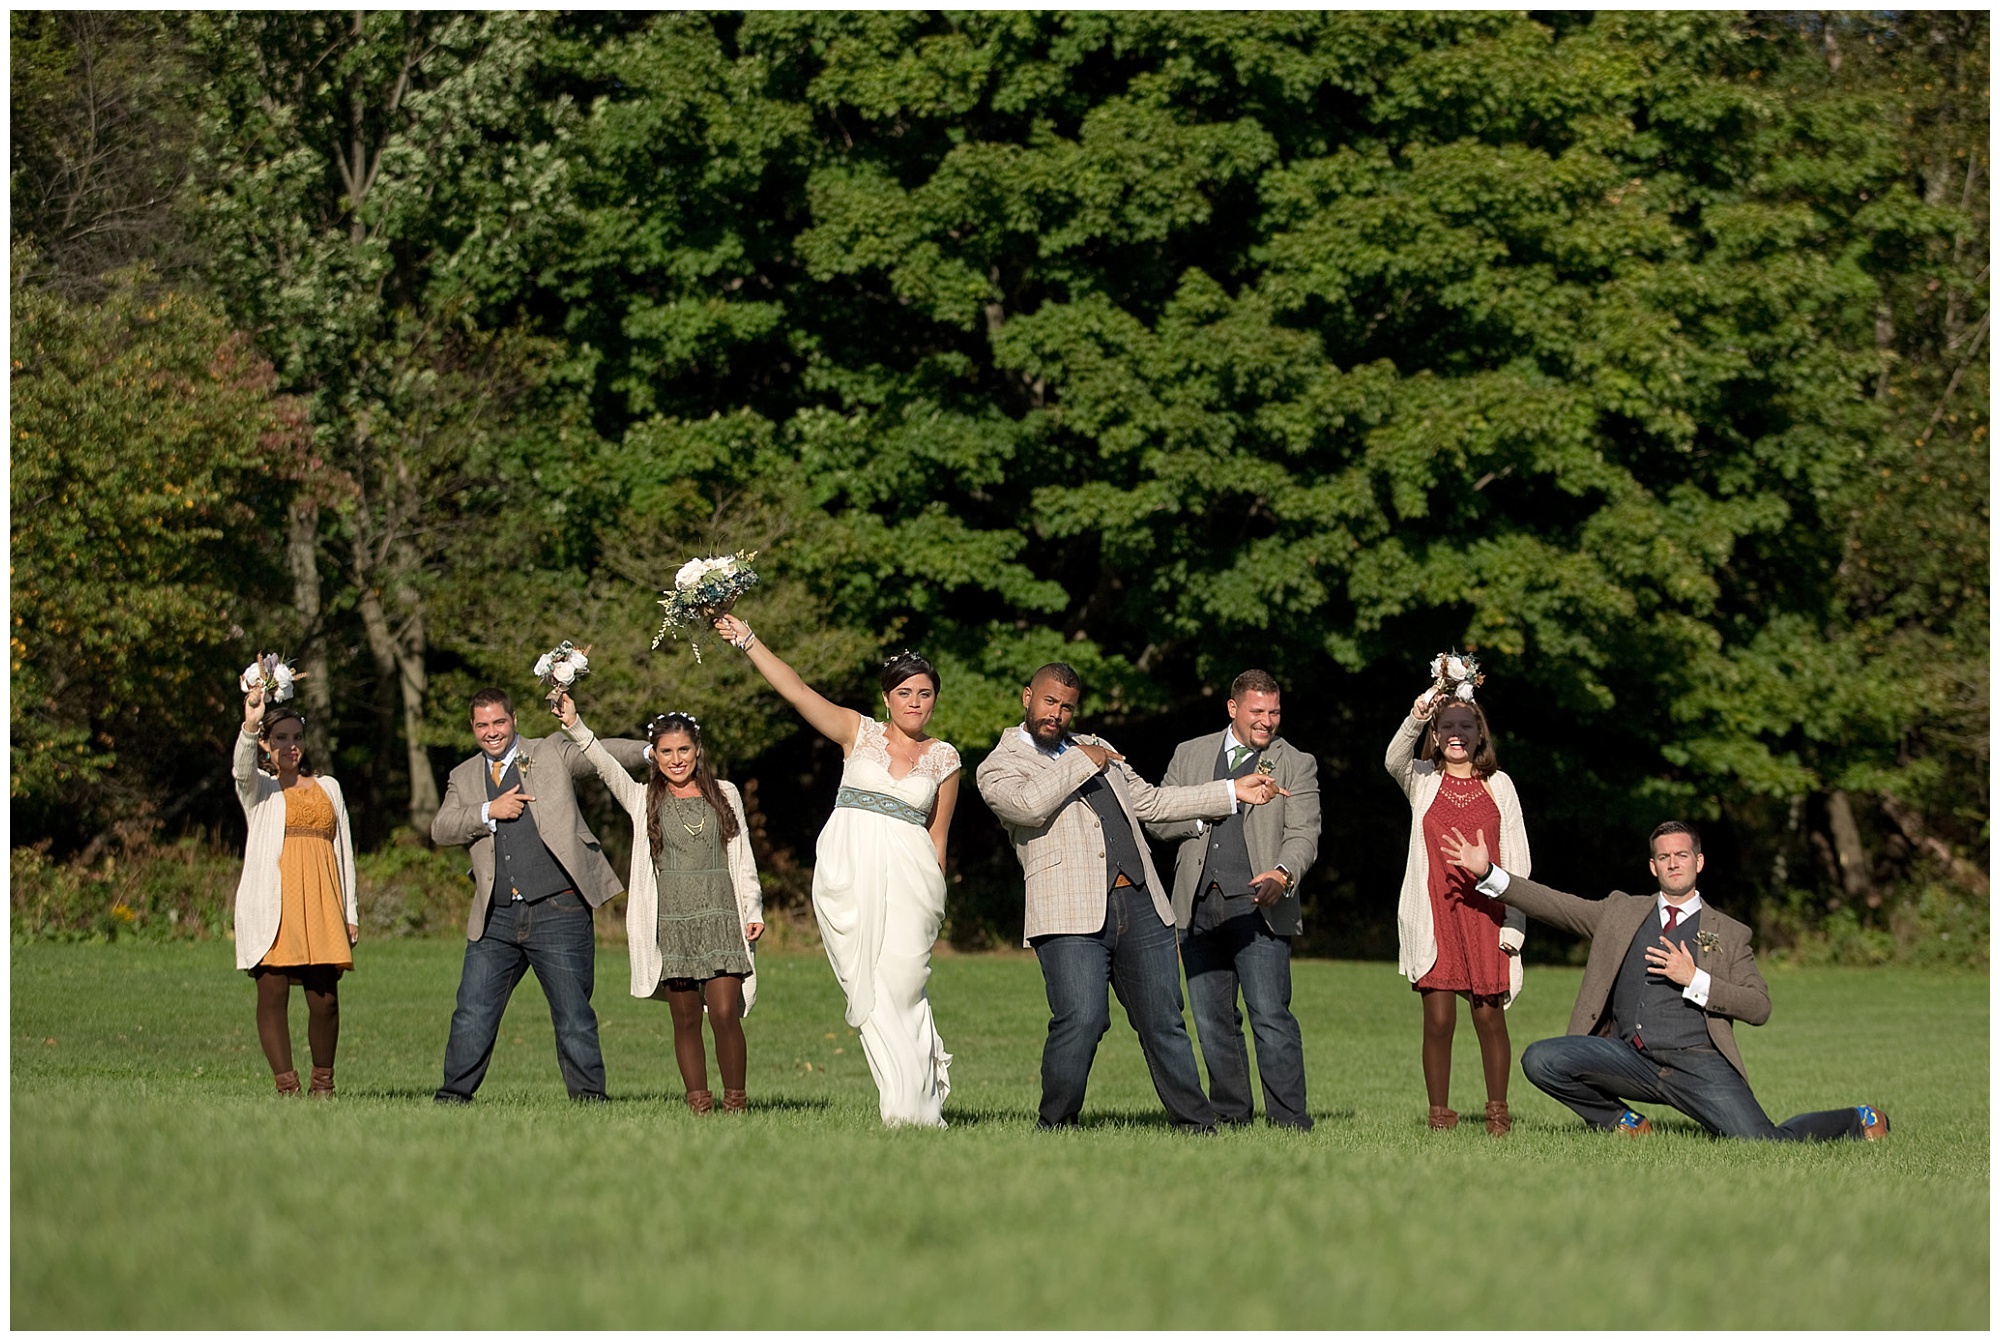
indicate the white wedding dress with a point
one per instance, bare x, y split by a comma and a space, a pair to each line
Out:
879, 897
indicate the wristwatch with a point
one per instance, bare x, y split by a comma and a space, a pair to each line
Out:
1281, 870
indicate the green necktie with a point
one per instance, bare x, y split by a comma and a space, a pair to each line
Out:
1237, 754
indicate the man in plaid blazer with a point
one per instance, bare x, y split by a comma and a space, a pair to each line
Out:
1097, 915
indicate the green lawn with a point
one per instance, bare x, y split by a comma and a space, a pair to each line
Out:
157, 1182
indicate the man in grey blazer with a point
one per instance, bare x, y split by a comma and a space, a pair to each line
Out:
1236, 904
537, 872
1096, 915
1667, 975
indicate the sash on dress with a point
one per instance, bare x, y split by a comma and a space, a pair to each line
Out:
853, 798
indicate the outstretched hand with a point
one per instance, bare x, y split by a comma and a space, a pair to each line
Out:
1472, 854
1254, 789
735, 630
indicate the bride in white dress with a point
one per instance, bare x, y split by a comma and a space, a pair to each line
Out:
878, 884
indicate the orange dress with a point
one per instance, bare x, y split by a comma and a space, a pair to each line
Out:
312, 921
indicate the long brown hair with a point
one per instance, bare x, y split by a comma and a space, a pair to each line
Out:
270, 724
1485, 763
680, 724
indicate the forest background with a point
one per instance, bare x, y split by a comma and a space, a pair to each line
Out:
1643, 354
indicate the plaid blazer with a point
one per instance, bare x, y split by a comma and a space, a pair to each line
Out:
1059, 838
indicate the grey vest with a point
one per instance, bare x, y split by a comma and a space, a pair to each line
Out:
1121, 850
1224, 891
522, 862
1651, 1007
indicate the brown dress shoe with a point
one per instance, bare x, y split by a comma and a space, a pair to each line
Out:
1442, 1119
322, 1083
1498, 1123
1874, 1122
735, 1101
288, 1082
1633, 1124
701, 1101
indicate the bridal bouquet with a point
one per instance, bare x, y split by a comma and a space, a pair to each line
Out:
703, 591
269, 671
1455, 675
561, 667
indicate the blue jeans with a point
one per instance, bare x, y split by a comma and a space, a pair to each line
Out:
1133, 952
1597, 1077
1243, 952
554, 937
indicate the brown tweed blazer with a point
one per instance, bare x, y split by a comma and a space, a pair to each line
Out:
557, 763
1736, 989
1058, 836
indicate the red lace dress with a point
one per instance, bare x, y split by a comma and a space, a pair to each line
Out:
1465, 922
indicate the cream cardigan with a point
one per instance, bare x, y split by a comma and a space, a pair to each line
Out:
259, 898
1416, 935
642, 896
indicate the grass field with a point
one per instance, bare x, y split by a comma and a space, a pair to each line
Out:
157, 1183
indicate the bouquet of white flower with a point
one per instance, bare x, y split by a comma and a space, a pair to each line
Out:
560, 667
270, 673
1455, 675
702, 593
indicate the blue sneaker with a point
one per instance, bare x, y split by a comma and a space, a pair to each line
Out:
1632, 1124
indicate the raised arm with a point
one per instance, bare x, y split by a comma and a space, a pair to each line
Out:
839, 725
1180, 773
1401, 759
243, 760
1474, 852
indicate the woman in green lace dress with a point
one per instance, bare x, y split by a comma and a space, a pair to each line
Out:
693, 907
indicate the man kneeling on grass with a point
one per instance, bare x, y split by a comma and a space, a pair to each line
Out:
1652, 1022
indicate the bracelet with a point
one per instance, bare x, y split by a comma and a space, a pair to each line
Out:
744, 643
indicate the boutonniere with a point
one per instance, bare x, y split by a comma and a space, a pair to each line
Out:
1708, 941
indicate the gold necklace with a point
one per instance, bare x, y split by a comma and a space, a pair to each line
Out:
693, 830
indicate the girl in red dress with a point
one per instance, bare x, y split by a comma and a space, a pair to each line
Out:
1456, 942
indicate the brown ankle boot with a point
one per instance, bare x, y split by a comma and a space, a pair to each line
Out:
322, 1083
701, 1101
735, 1101
288, 1082
1442, 1119
1498, 1123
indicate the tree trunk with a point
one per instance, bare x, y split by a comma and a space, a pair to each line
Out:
1847, 850
316, 689
399, 656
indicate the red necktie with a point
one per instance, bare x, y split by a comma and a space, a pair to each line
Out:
1673, 917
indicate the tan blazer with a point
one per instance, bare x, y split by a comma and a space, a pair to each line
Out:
1284, 831
557, 763
1059, 838
1736, 989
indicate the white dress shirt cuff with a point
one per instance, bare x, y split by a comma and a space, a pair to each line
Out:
1494, 883
1697, 990
486, 817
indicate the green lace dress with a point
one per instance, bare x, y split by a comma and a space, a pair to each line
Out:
701, 931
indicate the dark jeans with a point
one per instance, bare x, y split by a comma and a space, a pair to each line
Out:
1243, 952
1134, 953
555, 938
1597, 1077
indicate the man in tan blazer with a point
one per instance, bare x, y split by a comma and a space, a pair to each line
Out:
537, 873
1236, 904
1096, 915
1666, 978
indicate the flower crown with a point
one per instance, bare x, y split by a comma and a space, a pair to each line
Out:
661, 721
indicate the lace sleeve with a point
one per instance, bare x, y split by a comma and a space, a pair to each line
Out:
870, 741
941, 761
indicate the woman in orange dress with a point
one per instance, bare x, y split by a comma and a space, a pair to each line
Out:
296, 920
